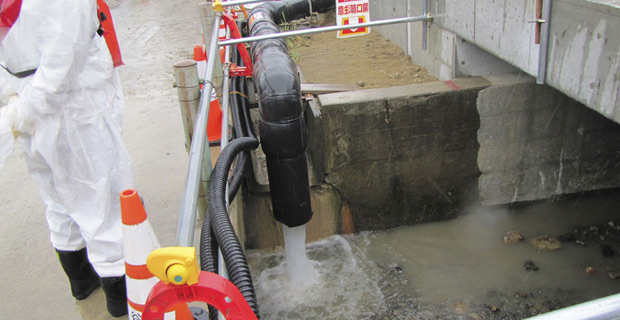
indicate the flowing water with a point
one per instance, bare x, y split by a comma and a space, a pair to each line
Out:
456, 269
300, 270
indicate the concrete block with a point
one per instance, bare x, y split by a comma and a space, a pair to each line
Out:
543, 151
500, 187
266, 232
460, 136
457, 170
502, 129
601, 144
598, 173
547, 180
405, 158
553, 144
505, 99
500, 157
544, 123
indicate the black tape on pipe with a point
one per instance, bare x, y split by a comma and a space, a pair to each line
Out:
283, 131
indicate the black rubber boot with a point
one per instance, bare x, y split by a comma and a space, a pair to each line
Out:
82, 277
116, 295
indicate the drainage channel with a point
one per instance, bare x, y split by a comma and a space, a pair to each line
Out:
457, 269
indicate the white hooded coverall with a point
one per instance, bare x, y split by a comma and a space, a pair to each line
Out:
73, 104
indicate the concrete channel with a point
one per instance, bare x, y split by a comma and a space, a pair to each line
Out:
387, 158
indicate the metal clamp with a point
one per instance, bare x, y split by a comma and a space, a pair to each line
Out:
217, 6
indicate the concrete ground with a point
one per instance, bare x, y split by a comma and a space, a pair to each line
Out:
153, 35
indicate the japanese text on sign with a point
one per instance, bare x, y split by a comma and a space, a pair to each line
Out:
352, 8
352, 12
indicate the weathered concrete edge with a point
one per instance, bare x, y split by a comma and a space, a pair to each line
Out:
424, 89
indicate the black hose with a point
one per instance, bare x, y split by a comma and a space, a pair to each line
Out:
247, 118
208, 246
242, 162
219, 223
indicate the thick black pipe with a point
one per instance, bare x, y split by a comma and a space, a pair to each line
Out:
289, 10
283, 132
219, 224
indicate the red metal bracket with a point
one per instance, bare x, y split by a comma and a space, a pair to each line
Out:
210, 288
234, 32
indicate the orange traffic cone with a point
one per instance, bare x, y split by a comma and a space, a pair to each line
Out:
139, 241
214, 124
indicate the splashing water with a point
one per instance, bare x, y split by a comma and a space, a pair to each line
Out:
455, 269
339, 288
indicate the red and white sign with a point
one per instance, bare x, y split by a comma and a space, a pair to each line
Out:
352, 12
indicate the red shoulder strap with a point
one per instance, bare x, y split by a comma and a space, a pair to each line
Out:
109, 34
9, 11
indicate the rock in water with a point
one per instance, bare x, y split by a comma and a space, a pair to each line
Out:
512, 237
530, 266
607, 251
546, 243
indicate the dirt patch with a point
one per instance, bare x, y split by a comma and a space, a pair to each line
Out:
369, 61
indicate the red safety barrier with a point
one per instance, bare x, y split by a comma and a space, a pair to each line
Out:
210, 288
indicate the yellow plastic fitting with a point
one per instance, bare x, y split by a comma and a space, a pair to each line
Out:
176, 265
217, 6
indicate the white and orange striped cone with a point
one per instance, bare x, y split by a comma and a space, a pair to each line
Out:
139, 241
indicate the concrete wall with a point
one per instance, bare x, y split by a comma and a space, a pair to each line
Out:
263, 231
403, 155
487, 37
384, 158
537, 143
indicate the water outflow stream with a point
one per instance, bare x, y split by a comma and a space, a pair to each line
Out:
456, 269
300, 270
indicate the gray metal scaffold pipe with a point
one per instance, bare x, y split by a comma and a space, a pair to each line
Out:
189, 204
295, 33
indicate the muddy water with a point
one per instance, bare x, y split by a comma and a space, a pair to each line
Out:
454, 269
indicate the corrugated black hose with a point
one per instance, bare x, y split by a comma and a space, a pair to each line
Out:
242, 162
219, 223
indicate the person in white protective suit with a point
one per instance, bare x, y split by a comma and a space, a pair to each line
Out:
66, 109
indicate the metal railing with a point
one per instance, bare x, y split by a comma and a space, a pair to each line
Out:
189, 203
325, 29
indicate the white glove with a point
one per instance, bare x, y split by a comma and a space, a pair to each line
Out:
13, 117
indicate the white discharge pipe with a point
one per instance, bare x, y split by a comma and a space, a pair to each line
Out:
606, 308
